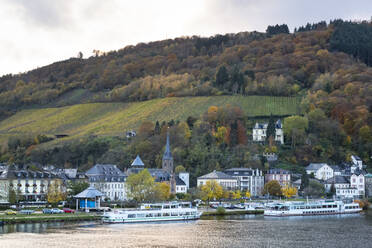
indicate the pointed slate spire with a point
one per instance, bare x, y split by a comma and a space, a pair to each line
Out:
138, 162
167, 152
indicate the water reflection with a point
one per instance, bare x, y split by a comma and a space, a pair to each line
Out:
41, 227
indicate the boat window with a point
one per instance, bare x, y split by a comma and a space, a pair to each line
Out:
158, 214
149, 215
166, 207
174, 214
140, 215
131, 216
173, 206
165, 214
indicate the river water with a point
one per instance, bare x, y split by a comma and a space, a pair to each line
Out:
234, 231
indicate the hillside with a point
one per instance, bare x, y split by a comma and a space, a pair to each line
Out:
115, 118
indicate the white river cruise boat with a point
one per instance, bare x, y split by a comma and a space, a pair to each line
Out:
154, 212
311, 208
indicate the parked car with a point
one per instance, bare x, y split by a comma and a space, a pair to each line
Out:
26, 211
69, 210
239, 206
56, 211
10, 212
47, 211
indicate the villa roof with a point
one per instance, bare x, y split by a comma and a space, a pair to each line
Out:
138, 162
216, 175
337, 180
315, 166
278, 171
90, 192
104, 169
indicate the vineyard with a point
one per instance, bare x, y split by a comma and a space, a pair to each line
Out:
114, 118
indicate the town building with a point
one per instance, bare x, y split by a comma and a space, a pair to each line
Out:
260, 131
178, 183
321, 171
342, 187
356, 162
280, 175
368, 185
357, 181
226, 181
108, 179
28, 185
249, 179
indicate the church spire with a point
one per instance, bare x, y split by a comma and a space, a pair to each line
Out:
167, 152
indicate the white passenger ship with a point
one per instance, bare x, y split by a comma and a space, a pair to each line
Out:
154, 212
311, 208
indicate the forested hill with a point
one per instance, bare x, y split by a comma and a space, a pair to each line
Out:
327, 64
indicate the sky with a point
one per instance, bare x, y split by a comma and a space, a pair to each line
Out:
35, 33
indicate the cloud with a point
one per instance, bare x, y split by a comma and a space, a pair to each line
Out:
39, 32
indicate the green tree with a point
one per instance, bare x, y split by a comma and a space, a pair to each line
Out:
222, 76
270, 132
295, 127
12, 196
157, 128
304, 181
273, 188
140, 187
75, 188
315, 189
179, 169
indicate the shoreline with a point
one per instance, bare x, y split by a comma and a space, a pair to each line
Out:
48, 218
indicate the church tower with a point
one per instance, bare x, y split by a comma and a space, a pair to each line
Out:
167, 164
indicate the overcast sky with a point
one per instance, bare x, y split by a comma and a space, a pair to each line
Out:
35, 33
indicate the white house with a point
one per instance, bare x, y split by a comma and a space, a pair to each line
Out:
321, 171
342, 187
226, 181
260, 129
357, 181
251, 180
109, 180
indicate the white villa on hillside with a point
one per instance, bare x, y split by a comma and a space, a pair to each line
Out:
259, 132
321, 171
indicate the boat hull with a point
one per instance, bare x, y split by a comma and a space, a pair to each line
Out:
151, 219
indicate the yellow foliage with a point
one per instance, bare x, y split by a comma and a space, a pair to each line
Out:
55, 194
248, 194
162, 191
288, 191
212, 190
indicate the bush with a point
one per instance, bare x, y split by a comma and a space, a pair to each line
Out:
220, 211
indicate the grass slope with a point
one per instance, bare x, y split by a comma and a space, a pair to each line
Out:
114, 118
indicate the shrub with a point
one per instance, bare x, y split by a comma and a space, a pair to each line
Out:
220, 211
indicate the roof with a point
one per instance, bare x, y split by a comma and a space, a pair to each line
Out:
138, 162
369, 175
278, 125
335, 168
278, 171
179, 181
239, 171
104, 169
216, 175
26, 174
315, 166
159, 174
337, 180
167, 152
356, 157
90, 192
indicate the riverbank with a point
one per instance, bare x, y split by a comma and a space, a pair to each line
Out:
232, 212
21, 218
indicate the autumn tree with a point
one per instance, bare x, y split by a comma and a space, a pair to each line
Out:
212, 190
179, 169
222, 76
162, 191
248, 194
273, 188
55, 194
295, 127
146, 129
289, 191
140, 186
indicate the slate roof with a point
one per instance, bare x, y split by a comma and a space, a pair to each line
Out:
179, 181
278, 125
315, 166
216, 175
337, 180
26, 174
90, 192
138, 162
278, 171
335, 168
105, 173
239, 172
160, 175
167, 153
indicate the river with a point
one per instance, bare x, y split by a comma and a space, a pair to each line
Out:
230, 231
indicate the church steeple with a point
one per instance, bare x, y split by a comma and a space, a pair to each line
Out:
167, 152
167, 164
